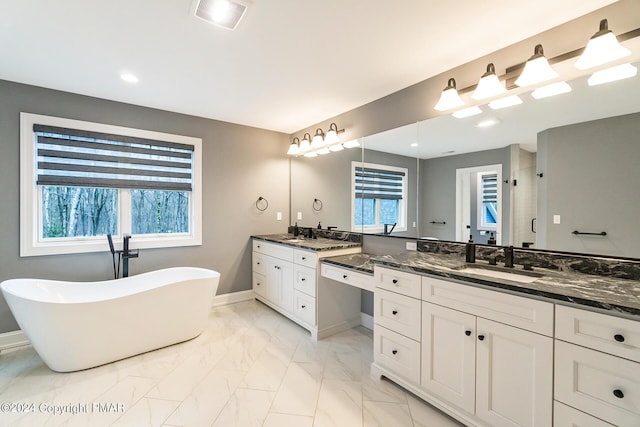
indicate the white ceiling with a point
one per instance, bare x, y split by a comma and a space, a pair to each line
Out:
288, 65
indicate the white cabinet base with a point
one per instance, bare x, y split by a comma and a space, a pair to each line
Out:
377, 372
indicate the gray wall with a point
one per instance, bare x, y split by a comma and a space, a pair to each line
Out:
239, 164
591, 178
438, 190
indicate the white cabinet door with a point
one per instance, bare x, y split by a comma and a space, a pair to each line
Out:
279, 276
514, 376
449, 355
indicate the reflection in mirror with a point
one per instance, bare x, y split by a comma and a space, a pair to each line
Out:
392, 208
321, 192
568, 165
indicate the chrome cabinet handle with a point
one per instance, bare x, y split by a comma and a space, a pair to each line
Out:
467, 333
394, 312
618, 337
394, 281
618, 393
394, 352
344, 276
481, 337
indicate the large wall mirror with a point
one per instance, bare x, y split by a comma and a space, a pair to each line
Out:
555, 166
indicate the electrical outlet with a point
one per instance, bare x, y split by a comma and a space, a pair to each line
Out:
556, 219
279, 216
299, 215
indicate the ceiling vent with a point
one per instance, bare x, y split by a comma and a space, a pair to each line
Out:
223, 13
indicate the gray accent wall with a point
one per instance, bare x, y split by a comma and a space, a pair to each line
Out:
591, 178
240, 164
438, 190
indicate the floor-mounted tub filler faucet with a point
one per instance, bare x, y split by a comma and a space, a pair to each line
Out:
124, 255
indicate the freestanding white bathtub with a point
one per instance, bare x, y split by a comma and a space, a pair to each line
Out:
75, 325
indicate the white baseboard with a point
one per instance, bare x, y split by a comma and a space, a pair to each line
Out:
13, 339
232, 298
366, 321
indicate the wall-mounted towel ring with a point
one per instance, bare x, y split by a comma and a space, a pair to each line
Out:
317, 205
262, 202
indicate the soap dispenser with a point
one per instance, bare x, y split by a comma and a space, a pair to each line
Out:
492, 239
470, 251
319, 226
296, 230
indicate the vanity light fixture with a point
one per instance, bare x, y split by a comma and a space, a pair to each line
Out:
318, 139
332, 134
603, 47
294, 148
336, 147
323, 151
467, 112
551, 90
311, 154
489, 85
612, 74
305, 144
449, 98
505, 102
536, 69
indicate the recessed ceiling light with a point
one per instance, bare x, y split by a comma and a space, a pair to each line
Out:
224, 13
129, 78
487, 123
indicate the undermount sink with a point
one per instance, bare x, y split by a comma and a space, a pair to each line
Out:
293, 240
521, 276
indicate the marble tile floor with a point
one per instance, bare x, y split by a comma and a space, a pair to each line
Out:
250, 367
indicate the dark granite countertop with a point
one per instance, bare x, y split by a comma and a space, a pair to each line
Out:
319, 244
358, 262
601, 292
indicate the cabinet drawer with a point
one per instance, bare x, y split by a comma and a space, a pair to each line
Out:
397, 281
305, 258
273, 249
526, 313
397, 353
610, 334
398, 313
350, 277
258, 262
304, 308
602, 385
566, 416
304, 279
259, 283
